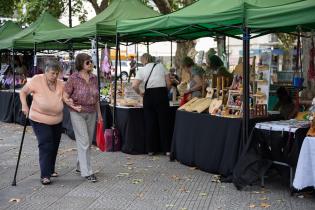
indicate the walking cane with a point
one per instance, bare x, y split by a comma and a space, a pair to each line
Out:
21, 145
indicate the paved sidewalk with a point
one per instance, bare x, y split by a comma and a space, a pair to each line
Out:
125, 182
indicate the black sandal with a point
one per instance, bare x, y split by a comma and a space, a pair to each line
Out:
45, 181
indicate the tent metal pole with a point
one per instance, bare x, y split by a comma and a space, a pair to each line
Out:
171, 54
148, 48
115, 80
119, 57
13, 98
137, 49
246, 71
70, 14
97, 66
35, 59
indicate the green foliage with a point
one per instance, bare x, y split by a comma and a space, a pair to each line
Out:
7, 8
287, 40
29, 10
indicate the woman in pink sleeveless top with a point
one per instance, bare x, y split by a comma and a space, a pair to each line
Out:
45, 114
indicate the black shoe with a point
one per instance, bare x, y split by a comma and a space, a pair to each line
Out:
77, 171
91, 178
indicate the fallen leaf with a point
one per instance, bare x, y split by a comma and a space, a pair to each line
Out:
140, 195
265, 205
122, 174
16, 200
192, 168
130, 168
175, 177
136, 181
300, 196
280, 200
169, 205
252, 206
183, 208
263, 198
154, 158
184, 189
203, 194
216, 178
129, 163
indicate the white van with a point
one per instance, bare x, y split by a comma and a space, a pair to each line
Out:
125, 69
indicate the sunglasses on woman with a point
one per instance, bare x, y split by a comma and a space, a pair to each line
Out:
88, 62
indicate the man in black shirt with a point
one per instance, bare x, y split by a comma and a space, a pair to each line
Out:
133, 66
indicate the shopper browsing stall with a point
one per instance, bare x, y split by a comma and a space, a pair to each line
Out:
81, 94
46, 115
195, 84
155, 104
285, 104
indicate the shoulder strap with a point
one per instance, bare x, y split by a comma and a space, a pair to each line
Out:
146, 83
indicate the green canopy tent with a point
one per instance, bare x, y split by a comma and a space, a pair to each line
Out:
203, 18
8, 29
234, 18
103, 25
24, 40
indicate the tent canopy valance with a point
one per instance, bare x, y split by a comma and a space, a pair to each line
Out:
102, 25
220, 17
9, 29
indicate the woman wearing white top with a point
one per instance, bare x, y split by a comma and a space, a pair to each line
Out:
155, 104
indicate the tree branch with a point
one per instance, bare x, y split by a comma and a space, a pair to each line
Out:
163, 6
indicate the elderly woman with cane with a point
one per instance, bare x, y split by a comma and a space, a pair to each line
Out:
46, 114
81, 94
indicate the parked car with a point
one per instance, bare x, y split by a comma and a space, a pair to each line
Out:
125, 69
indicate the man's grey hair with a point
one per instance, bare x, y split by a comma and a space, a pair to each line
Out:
52, 65
148, 57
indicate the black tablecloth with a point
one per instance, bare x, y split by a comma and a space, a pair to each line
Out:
211, 143
208, 142
7, 110
263, 147
130, 123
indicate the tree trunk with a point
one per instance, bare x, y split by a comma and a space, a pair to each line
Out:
98, 9
163, 6
221, 46
182, 51
310, 84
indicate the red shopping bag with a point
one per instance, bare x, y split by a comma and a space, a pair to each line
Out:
100, 140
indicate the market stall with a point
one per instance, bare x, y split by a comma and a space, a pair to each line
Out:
277, 142
246, 99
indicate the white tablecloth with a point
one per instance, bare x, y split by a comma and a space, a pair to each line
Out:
283, 125
305, 170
